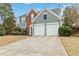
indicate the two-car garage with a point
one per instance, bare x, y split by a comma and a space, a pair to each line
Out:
48, 29
46, 23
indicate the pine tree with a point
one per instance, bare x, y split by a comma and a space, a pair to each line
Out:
9, 22
9, 25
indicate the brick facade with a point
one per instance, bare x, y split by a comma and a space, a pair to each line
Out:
28, 20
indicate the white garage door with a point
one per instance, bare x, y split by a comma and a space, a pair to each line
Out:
51, 29
39, 29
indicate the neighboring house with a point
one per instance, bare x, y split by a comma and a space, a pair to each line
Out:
22, 23
45, 22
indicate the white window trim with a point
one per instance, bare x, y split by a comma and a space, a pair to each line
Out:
44, 13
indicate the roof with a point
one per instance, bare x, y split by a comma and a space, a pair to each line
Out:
31, 10
52, 12
23, 15
28, 13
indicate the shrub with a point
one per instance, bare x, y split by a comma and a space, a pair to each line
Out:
18, 33
2, 31
23, 33
15, 33
65, 31
17, 29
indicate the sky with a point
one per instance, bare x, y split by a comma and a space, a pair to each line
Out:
22, 8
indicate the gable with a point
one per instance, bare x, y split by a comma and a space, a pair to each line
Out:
28, 17
51, 17
31, 11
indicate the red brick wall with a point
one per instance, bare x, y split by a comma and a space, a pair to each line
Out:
28, 20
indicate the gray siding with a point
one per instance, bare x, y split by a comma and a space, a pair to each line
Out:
50, 18
56, 11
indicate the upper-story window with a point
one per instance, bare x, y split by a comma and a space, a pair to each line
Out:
32, 16
45, 16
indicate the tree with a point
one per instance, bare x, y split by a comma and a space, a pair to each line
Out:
5, 10
71, 16
8, 17
67, 22
2, 31
9, 25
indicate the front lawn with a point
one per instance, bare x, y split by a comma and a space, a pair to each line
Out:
71, 45
10, 39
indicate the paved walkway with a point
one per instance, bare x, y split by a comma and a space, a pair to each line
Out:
35, 46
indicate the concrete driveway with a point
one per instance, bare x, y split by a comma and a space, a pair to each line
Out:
35, 46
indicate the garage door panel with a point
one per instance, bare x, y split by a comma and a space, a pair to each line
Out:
39, 29
52, 29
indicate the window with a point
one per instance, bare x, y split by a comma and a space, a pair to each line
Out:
45, 16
